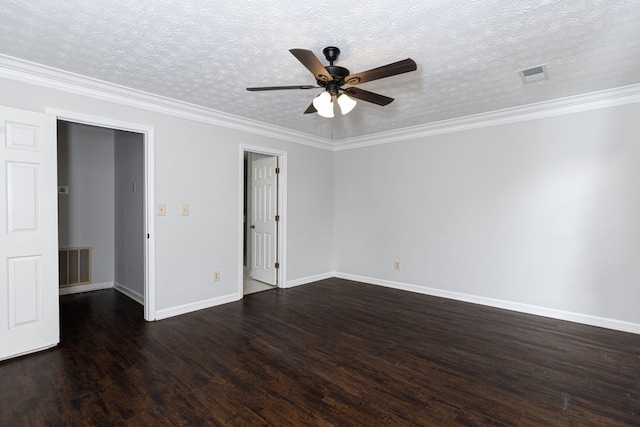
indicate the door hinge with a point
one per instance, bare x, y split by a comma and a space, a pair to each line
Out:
277, 265
277, 218
277, 171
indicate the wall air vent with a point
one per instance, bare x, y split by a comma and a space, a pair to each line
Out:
74, 266
534, 74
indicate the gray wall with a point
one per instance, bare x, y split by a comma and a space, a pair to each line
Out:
543, 213
129, 212
199, 163
86, 165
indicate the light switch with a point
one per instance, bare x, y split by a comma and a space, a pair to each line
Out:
162, 209
185, 210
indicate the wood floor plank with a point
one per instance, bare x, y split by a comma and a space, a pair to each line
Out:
332, 353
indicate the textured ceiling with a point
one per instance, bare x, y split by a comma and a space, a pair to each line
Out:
207, 52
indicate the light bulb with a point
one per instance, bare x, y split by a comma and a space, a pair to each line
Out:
346, 104
323, 103
327, 112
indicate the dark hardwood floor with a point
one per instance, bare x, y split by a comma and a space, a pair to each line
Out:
330, 353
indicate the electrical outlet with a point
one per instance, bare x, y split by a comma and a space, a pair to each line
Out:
216, 276
162, 209
396, 264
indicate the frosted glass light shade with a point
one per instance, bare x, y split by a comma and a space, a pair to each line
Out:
324, 104
346, 104
327, 112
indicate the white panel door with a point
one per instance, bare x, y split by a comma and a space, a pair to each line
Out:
263, 225
29, 319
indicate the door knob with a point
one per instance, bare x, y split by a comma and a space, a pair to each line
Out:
252, 226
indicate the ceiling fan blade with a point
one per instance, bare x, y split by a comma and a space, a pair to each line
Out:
365, 95
310, 109
255, 89
312, 63
388, 70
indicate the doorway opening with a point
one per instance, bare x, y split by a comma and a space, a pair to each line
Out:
263, 184
105, 200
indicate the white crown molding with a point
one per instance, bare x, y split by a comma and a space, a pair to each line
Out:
573, 104
29, 72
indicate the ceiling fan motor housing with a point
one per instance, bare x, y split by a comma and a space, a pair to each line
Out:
331, 53
338, 74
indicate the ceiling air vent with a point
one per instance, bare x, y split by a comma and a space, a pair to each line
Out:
534, 74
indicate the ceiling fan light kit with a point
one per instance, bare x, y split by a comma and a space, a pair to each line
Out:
332, 78
323, 104
346, 104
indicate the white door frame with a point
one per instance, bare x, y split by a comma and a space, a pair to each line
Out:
149, 181
282, 211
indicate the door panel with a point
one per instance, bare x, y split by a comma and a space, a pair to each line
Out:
25, 289
22, 136
22, 196
264, 228
28, 224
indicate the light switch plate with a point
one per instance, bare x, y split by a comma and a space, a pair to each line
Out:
185, 210
162, 209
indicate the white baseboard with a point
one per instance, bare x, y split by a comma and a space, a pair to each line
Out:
201, 305
137, 297
310, 279
195, 306
85, 288
586, 319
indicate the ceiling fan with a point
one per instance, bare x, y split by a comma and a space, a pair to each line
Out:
333, 78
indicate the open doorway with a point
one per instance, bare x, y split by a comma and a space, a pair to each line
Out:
263, 224
105, 190
100, 209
